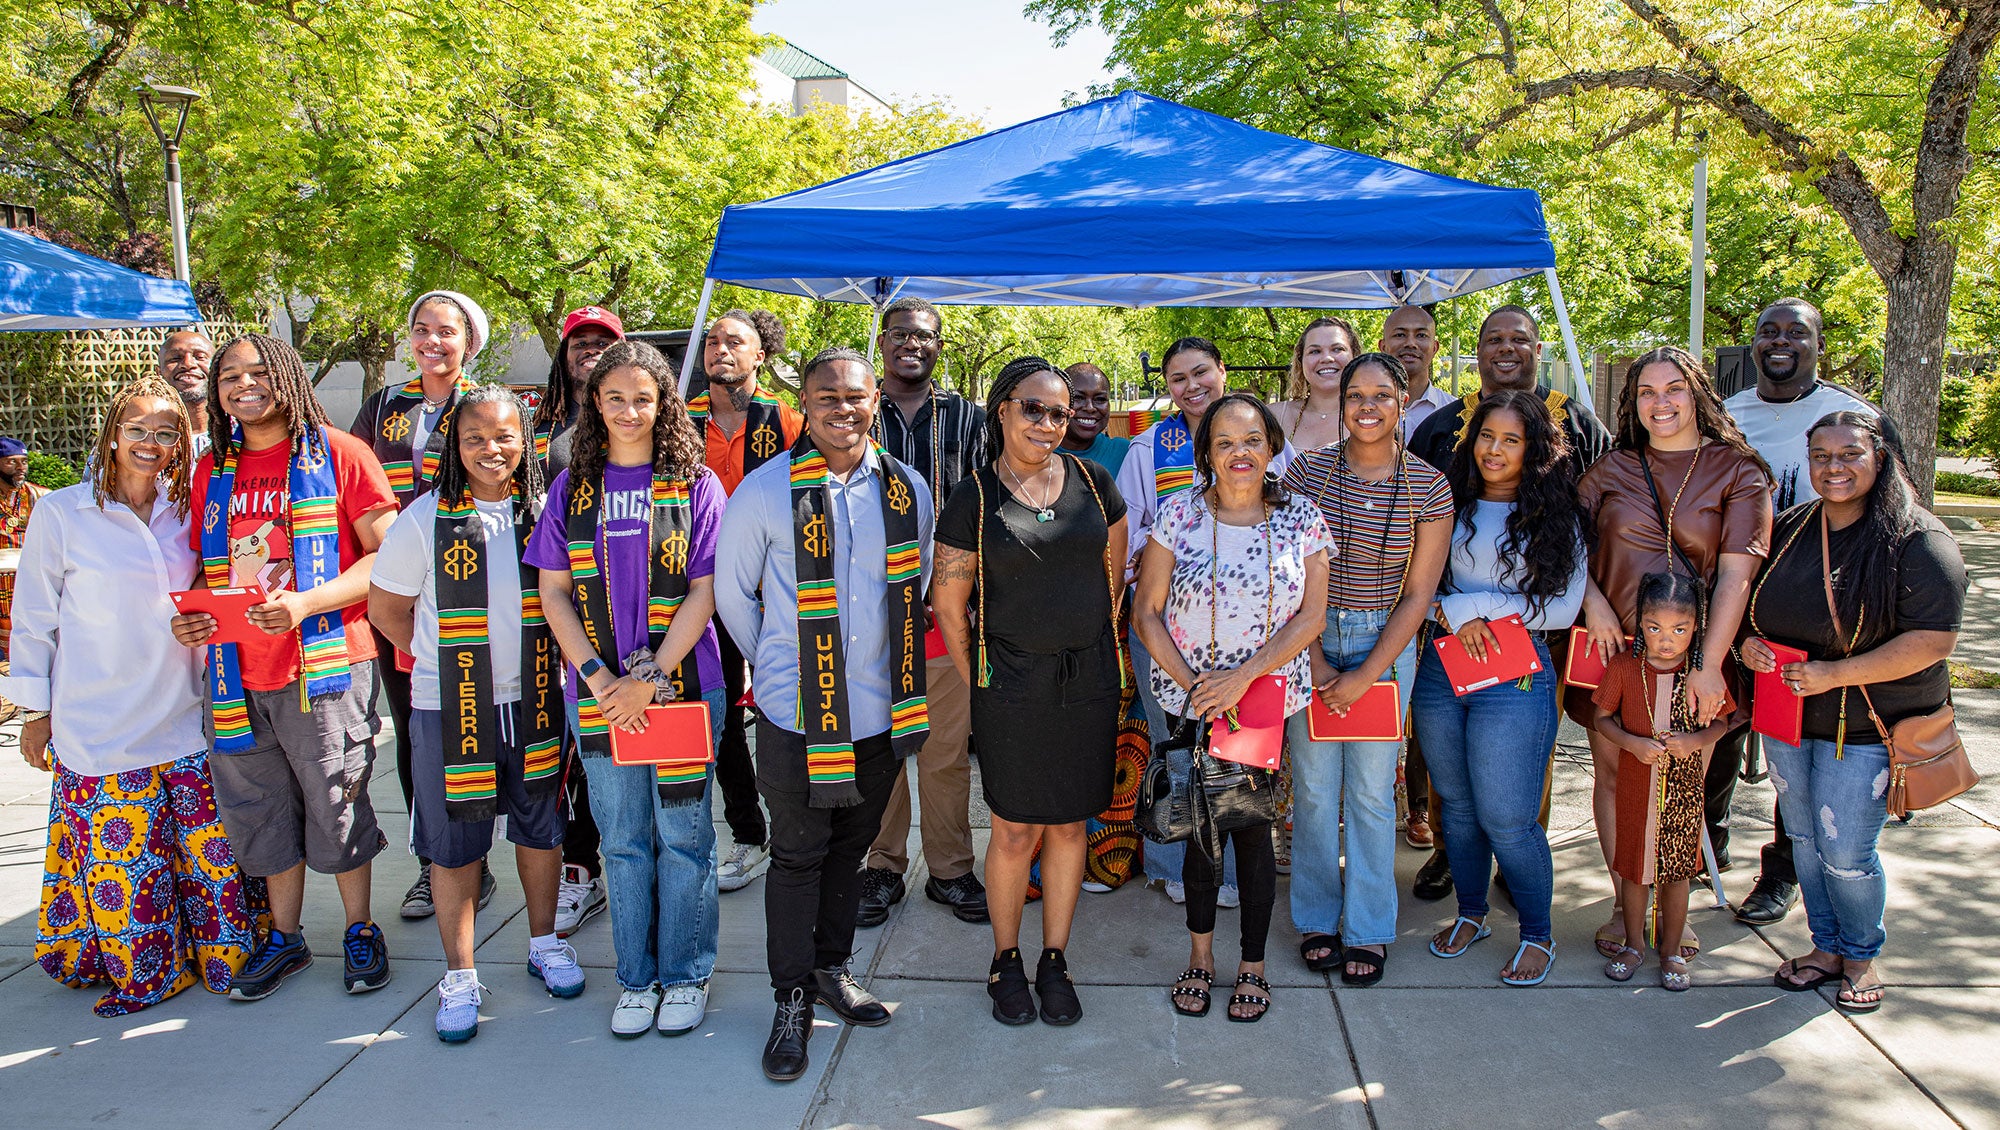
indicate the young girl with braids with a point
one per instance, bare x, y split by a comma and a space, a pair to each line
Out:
1642, 708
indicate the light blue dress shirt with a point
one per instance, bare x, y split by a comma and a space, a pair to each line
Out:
756, 555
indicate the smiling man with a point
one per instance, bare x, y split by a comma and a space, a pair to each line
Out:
1510, 355
1409, 334
586, 333
183, 362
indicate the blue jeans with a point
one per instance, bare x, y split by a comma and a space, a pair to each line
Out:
1354, 782
659, 870
1488, 753
1164, 861
1834, 809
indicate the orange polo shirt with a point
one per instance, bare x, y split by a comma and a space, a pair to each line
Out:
724, 453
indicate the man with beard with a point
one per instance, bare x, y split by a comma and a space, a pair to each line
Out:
942, 436
1510, 354
1409, 335
586, 334
1775, 416
1090, 410
183, 363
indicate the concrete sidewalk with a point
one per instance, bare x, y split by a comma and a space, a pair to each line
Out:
1438, 1043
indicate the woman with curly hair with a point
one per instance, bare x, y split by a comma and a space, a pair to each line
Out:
1681, 492
626, 546
1517, 550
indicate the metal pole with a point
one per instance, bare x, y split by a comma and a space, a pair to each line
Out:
1698, 259
694, 335
176, 211
1581, 388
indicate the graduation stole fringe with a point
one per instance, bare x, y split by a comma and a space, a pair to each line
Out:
465, 667
763, 425
1556, 401
1173, 457
315, 561
667, 548
822, 709
391, 440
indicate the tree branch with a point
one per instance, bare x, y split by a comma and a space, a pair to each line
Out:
1943, 158
1644, 121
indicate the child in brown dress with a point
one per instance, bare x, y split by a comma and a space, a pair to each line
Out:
1642, 709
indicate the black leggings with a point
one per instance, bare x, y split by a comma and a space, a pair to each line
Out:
1257, 879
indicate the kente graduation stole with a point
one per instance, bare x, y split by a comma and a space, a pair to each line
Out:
822, 709
763, 427
1556, 400
667, 546
315, 526
1173, 457
391, 440
465, 666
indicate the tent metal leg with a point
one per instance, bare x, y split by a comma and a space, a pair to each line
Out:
1582, 390
694, 334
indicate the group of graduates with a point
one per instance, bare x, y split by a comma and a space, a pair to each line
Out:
890, 571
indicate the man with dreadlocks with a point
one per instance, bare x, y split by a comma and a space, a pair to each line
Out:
450, 589
285, 502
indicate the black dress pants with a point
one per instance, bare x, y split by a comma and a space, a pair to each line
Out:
735, 774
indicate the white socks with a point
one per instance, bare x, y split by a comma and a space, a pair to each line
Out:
543, 943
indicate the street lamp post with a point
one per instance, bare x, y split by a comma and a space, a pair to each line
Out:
178, 99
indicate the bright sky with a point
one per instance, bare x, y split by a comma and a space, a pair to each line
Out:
986, 56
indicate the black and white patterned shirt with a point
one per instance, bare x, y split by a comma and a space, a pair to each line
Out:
945, 443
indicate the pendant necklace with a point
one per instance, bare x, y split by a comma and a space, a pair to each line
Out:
1044, 512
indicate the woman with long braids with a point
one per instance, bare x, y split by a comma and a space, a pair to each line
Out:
1680, 492
626, 549
141, 893
1391, 515
1312, 414
1026, 586
1517, 549
1874, 660
449, 588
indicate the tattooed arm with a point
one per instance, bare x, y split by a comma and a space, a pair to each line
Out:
954, 577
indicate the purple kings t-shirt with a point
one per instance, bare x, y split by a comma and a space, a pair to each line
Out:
628, 499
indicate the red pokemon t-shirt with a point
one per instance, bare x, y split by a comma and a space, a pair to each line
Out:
260, 542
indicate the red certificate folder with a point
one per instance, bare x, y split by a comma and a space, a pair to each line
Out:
231, 609
677, 732
934, 645
1254, 733
1584, 667
1377, 716
1509, 657
1775, 711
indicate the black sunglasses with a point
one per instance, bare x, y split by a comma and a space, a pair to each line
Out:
1035, 412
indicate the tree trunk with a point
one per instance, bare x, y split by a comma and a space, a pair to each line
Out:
1913, 351
374, 349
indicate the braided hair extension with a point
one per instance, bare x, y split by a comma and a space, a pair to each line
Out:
104, 476
454, 483
284, 374
1010, 378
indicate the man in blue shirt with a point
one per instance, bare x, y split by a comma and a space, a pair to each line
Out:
817, 845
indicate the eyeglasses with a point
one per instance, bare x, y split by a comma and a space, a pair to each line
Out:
135, 433
904, 337
1035, 412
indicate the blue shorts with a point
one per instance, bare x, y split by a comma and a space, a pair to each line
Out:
449, 843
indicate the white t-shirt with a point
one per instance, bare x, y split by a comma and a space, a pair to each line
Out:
1778, 432
406, 566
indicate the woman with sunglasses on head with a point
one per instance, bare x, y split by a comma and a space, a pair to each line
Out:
1026, 586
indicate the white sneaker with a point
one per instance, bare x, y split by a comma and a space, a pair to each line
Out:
682, 1008
634, 1012
579, 898
1228, 897
743, 863
1095, 887
1177, 891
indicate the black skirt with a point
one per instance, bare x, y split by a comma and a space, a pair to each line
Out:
1047, 731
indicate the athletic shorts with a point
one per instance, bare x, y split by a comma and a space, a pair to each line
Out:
458, 843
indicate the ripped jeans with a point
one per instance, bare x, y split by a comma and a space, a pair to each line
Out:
1834, 810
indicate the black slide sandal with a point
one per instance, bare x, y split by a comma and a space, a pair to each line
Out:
1372, 965
1327, 942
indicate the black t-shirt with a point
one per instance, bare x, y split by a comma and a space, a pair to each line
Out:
1788, 606
1046, 590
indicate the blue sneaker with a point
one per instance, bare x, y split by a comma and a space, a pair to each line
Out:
458, 1006
558, 970
279, 957
367, 967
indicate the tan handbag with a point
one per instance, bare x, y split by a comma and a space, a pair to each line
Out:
1928, 764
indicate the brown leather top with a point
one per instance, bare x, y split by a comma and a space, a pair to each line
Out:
1726, 508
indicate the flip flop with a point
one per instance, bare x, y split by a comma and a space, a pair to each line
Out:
1328, 942
1820, 975
1549, 949
1859, 1008
1483, 931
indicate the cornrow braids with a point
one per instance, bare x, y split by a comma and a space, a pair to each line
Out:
1010, 378
677, 447
179, 466
454, 483
284, 374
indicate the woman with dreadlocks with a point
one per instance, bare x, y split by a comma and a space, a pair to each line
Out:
1681, 492
450, 589
141, 892
288, 504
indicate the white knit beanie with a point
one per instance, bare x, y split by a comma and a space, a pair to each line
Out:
475, 318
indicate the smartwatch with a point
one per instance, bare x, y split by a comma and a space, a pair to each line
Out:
590, 667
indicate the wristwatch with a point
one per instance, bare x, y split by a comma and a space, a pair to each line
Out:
590, 667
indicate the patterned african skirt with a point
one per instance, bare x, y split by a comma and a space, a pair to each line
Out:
140, 891
1114, 841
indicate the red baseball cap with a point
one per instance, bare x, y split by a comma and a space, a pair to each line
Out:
593, 316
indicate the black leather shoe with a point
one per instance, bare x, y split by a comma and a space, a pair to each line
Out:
881, 889
785, 1053
964, 895
837, 989
1433, 878
1769, 901
1059, 1004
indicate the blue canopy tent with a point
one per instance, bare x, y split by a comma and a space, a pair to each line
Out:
1136, 201
45, 286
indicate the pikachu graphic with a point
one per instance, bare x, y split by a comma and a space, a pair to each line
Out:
250, 561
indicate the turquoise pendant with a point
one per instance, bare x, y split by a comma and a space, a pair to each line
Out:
1045, 515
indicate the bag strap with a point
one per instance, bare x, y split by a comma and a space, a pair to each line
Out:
1833, 615
1674, 549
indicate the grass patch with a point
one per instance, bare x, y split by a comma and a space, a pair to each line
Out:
1964, 676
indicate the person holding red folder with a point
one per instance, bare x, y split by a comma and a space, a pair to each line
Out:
1517, 550
1391, 517
1232, 588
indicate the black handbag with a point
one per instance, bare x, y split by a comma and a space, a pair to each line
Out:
1168, 802
1235, 795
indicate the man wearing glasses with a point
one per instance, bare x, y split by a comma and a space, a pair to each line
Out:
943, 436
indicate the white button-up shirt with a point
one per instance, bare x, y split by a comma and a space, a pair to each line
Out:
92, 641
